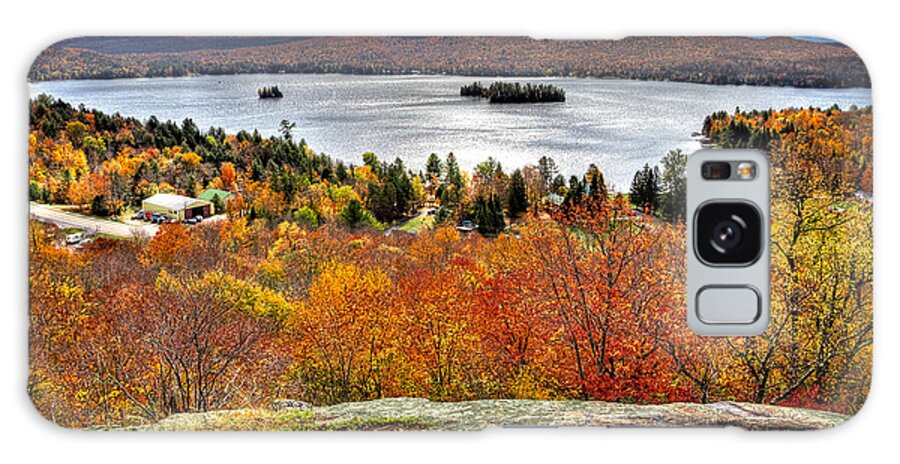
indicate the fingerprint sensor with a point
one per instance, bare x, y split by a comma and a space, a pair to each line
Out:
726, 304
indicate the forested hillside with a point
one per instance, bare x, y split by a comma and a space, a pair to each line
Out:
110, 163
708, 60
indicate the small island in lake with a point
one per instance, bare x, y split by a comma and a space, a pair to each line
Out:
270, 92
514, 92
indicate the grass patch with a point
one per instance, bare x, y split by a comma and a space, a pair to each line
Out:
71, 230
414, 225
370, 423
293, 419
285, 420
112, 237
236, 420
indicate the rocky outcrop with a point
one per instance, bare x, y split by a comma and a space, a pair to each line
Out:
285, 404
417, 413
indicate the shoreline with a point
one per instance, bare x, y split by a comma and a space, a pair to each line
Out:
29, 81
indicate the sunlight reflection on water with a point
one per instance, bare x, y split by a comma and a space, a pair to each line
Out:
618, 125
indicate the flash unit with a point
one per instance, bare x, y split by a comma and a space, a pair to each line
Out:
746, 170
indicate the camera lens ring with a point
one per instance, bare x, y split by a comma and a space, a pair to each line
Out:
738, 224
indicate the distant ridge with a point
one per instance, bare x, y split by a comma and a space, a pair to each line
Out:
773, 61
127, 45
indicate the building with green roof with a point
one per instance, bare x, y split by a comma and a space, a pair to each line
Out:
210, 193
223, 195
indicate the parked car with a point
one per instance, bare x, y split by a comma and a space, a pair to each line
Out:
72, 239
199, 218
138, 215
467, 226
190, 221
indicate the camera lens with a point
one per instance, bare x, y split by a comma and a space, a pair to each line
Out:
728, 233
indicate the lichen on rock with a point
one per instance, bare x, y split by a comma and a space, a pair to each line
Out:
420, 413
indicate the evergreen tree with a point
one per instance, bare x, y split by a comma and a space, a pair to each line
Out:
433, 167
673, 184
575, 193
190, 133
370, 160
489, 216
193, 189
34, 192
596, 183
404, 199
341, 172
355, 216
454, 184
218, 204
286, 181
286, 127
517, 199
558, 184
392, 196
99, 206
645, 188
547, 168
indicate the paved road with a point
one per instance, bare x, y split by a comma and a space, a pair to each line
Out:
90, 224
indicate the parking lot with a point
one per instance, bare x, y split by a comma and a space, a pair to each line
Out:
90, 224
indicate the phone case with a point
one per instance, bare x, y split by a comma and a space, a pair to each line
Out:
453, 233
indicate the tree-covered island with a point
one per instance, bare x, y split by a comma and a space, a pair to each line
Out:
514, 92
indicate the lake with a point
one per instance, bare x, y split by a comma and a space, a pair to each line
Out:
617, 124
